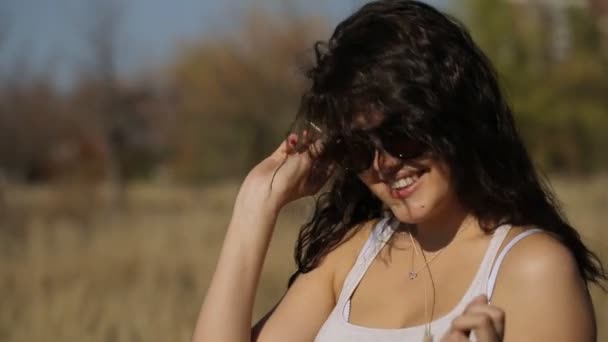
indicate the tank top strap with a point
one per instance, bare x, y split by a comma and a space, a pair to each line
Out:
379, 236
499, 259
479, 283
498, 237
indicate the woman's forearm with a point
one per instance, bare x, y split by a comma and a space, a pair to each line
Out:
279, 179
226, 312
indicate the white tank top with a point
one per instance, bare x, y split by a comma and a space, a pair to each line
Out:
337, 327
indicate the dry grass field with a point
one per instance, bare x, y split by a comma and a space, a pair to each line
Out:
76, 266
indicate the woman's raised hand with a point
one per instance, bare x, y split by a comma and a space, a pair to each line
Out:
485, 320
286, 175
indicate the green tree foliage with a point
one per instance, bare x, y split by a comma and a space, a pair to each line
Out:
238, 95
561, 104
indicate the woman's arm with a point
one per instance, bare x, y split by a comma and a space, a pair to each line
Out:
313, 295
543, 294
227, 309
279, 179
540, 296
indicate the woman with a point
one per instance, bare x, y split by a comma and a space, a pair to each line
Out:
435, 225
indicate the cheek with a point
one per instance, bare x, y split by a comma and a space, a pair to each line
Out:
437, 187
433, 196
435, 191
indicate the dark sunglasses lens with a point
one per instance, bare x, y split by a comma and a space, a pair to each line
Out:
353, 155
402, 147
359, 155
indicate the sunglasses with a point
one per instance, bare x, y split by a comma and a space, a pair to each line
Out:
356, 152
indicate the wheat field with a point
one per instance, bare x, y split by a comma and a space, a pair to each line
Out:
83, 264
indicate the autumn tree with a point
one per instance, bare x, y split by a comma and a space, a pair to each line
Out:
238, 94
559, 101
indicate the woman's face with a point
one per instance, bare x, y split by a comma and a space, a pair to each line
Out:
415, 190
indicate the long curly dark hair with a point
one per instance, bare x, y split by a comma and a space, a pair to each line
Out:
405, 58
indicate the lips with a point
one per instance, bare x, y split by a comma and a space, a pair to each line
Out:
404, 186
404, 182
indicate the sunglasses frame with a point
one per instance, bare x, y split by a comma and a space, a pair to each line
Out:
367, 143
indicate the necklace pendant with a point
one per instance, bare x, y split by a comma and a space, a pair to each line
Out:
412, 275
427, 338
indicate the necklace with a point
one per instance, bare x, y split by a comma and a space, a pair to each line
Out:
413, 274
428, 336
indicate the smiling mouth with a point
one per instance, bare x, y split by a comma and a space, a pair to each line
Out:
404, 186
406, 181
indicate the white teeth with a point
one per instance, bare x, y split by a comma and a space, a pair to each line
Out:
404, 182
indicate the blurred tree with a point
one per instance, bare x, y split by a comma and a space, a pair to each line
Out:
560, 103
238, 95
103, 128
131, 118
4, 25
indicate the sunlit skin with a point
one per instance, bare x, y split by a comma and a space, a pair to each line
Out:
421, 194
392, 71
438, 216
432, 206
432, 193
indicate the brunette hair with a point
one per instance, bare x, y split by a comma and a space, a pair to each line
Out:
405, 58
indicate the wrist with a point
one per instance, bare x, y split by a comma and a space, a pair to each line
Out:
253, 228
255, 210
254, 213
257, 201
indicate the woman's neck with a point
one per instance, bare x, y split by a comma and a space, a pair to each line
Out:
439, 231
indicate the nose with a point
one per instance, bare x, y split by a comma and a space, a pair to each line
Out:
384, 163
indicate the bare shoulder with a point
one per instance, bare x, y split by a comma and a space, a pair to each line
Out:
345, 253
539, 281
343, 257
309, 301
538, 257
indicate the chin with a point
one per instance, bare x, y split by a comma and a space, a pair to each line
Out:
410, 213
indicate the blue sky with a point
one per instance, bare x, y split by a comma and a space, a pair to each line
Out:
50, 36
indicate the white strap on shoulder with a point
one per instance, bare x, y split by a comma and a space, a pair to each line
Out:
501, 256
376, 240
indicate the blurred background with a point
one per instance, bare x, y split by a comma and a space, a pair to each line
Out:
126, 126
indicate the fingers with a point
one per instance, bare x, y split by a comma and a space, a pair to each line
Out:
288, 146
305, 143
455, 336
292, 141
480, 305
302, 151
293, 144
485, 320
305, 148
481, 299
480, 323
495, 316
